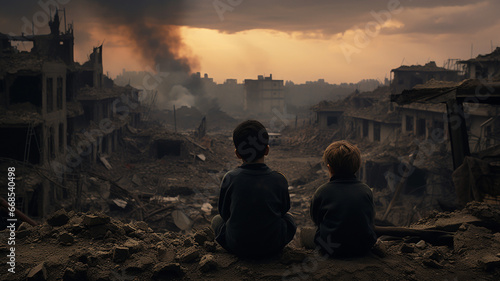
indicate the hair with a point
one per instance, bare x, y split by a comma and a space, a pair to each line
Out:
343, 157
251, 140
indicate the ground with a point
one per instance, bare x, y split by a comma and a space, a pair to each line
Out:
102, 241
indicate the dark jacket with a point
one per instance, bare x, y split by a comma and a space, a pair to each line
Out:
344, 213
253, 203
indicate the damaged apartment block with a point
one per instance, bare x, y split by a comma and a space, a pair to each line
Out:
52, 108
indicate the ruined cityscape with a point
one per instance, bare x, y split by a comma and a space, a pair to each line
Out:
118, 178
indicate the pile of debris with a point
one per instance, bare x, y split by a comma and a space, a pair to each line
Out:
93, 246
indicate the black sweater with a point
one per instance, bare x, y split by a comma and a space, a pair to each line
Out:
253, 202
344, 213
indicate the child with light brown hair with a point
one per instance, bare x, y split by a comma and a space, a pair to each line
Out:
343, 209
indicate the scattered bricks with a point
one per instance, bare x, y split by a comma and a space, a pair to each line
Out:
152, 238
168, 270
291, 255
66, 239
207, 263
59, 218
133, 245
120, 254
421, 244
77, 273
189, 255
210, 246
489, 262
94, 220
37, 273
406, 249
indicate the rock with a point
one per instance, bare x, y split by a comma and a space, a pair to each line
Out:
120, 254
168, 270
210, 246
188, 242
142, 225
291, 255
489, 262
433, 254
94, 220
133, 245
37, 273
189, 255
380, 249
103, 254
129, 228
24, 226
405, 248
59, 218
139, 265
421, 244
98, 231
66, 239
77, 273
203, 235
207, 263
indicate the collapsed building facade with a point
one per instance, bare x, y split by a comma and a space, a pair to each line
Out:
264, 95
53, 109
397, 137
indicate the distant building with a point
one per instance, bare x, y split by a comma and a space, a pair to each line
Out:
406, 77
328, 115
483, 66
263, 95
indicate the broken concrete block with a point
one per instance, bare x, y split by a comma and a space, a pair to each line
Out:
139, 265
142, 225
66, 239
37, 273
489, 262
380, 249
129, 228
133, 245
433, 254
188, 242
203, 235
120, 254
207, 263
405, 248
94, 220
432, 263
168, 270
98, 231
189, 255
59, 218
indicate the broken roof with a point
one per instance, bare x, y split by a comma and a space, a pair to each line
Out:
493, 56
473, 90
328, 106
23, 61
428, 67
91, 93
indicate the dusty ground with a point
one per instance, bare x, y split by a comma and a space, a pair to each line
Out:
92, 246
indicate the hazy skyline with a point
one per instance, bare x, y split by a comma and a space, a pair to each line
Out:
294, 40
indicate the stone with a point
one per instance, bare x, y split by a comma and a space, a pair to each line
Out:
59, 218
380, 249
93, 220
133, 245
188, 242
103, 254
139, 265
120, 254
142, 225
405, 248
432, 263
77, 273
66, 239
24, 226
489, 262
210, 246
433, 254
421, 244
189, 255
203, 235
168, 270
129, 228
98, 231
37, 273
207, 263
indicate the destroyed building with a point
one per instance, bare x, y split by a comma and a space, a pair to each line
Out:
264, 95
49, 104
483, 66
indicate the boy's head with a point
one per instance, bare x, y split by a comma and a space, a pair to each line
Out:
251, 141
342, 158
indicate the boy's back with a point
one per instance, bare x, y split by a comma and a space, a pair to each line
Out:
254, 201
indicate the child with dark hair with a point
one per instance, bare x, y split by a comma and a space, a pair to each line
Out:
342, 209
254, 200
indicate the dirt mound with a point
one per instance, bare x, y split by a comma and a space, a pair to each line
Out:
93, 246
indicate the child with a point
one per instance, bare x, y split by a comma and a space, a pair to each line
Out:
254, 200
342, 209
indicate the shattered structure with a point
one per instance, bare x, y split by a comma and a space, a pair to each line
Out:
53, 109
264, 95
